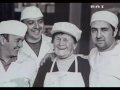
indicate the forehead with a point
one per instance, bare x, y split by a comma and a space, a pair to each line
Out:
33, 19
64, 35
100, 24
15, 37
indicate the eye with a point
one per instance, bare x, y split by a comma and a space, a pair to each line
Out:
93, 29
65, 40
104, 29
57, 39
18, 40
40, 21
30, 22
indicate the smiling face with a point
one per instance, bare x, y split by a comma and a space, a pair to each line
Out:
35, 27
64, 45
102, 34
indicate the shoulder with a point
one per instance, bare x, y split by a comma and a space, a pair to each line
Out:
44, 37
82, 56
82, 60
47, 64
93, 51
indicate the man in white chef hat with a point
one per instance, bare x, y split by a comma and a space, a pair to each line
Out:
105, 57
36, 44
14, 72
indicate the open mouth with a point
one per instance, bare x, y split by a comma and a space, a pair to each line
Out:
61, 48
36, 31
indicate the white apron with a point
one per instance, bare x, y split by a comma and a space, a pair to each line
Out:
64, 79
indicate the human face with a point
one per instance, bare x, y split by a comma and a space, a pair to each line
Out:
35, 27
13, 45
63, 45
102, 34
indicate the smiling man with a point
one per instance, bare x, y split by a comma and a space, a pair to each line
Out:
105, 57
36, 44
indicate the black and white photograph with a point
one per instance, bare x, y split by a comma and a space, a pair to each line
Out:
49, 44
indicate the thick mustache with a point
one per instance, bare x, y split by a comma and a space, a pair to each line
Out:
99, 39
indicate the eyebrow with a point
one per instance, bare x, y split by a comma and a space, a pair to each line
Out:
100, 28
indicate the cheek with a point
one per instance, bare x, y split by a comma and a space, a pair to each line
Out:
71, 47
93, 37
108, 36
9, 47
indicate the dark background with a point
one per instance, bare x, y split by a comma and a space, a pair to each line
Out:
77, 13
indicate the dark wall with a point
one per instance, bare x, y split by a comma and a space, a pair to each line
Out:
61, 14
6, 11
85, 21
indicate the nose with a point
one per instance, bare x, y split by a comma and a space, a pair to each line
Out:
20, 43
61, 42
99, 34
36, 24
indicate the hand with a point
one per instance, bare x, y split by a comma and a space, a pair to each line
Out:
49, 56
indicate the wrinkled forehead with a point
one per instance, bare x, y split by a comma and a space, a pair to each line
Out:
63, 35
100, 24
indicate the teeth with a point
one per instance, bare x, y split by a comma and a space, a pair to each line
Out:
36, 31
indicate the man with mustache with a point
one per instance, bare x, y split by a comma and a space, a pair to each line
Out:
14, 72
104, 59
36, 44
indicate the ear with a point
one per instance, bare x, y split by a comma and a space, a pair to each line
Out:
115, 32
75, 45
2, 40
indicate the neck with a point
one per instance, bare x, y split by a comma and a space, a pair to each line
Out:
68, 58
32, 40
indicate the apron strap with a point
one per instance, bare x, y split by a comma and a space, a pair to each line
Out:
76, 65
53, 65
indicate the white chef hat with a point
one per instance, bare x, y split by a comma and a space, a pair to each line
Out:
31, 12
107, 16
68, 28
13, 27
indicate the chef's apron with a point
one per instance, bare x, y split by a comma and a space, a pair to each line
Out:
64, 79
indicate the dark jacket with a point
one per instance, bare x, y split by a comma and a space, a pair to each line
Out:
83, 67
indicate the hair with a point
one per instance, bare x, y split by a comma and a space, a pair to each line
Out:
53, 36
6, 36
113, 28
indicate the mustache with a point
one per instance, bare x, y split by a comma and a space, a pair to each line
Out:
39, 28
99, 39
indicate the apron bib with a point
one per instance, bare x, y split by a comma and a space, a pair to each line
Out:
64, 79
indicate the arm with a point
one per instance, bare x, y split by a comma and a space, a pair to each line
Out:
48, 56
39, 80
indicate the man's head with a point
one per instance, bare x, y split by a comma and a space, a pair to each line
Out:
103, 29
12, 34
65, 36
33, 18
